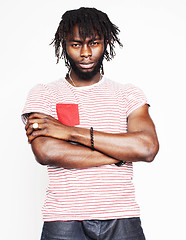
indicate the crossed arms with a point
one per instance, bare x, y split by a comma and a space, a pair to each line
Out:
51, 143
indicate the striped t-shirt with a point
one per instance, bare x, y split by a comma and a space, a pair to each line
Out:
104, 192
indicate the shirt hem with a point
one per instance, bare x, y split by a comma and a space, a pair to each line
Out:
53, 219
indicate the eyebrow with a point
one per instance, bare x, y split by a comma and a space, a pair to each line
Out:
75, 40
79, 41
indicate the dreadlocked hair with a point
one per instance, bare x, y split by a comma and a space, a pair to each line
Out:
90, 21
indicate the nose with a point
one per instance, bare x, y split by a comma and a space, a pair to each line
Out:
86, 51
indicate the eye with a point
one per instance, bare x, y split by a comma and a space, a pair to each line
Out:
75, 45
94, 43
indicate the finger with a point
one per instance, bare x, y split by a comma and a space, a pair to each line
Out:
30, 129
35, 134
30, 123
38, 115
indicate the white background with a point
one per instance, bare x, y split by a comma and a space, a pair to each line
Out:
153, 58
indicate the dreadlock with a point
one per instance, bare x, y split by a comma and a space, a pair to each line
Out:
88, 19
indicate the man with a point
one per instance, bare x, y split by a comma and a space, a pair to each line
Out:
88, 130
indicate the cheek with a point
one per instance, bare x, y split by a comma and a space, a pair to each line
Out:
98, 51
72, 53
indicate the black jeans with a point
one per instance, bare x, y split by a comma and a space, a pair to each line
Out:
117, 229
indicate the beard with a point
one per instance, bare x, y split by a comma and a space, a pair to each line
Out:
85, 75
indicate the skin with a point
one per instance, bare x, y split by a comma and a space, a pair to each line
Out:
51, 142
86, 54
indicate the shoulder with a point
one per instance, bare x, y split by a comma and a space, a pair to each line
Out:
133, 91
47, 88
133, 96
40, 99
126, 88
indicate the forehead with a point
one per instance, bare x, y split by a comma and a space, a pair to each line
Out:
81, 34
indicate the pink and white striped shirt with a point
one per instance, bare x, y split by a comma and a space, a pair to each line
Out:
104, 192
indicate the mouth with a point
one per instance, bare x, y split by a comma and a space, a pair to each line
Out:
86, 65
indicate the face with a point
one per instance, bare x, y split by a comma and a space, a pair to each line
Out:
85, 56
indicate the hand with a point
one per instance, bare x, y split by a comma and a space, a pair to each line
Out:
47, 126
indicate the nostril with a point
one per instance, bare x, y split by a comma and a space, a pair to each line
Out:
86, 51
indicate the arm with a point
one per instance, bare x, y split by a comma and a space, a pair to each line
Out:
55, 152
139, 144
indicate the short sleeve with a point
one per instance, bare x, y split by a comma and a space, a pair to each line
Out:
135, 98
38, 100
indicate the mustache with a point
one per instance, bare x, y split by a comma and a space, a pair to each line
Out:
85, 75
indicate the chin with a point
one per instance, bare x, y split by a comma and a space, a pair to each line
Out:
86, 75
83, 73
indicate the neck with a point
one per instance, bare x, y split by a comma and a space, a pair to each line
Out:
76, 81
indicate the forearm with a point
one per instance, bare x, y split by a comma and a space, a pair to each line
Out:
50, 151
128, 147
140, 143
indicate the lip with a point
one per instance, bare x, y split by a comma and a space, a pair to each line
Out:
86, 65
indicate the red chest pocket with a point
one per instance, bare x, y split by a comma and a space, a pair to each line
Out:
68, 114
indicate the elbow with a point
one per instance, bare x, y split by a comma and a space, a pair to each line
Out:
41, 157
47, 157
42, 151
41, 160
151, 151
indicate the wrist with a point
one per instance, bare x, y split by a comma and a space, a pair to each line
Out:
72, 134
80, 135
68, 133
